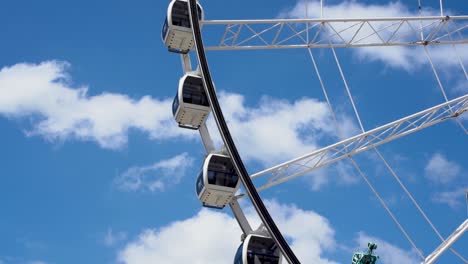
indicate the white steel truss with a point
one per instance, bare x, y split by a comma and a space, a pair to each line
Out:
324, 33
362, 142
447, 243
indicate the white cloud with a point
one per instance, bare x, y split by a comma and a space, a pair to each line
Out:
44, 91
461, 88
408, 58
340, 172
311, 233
347, 9
441, 170
277, 130
274, 130
387, 252
155, 177
208, 237
213, 237
454, 198
112, 238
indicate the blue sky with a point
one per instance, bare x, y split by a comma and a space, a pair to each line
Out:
94, 170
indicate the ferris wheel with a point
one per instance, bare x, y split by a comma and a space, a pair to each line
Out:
223, 170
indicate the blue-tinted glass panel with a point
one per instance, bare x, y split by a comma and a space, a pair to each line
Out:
180, 14
164, 29
221, 172
200, 183
262, 250
238, 257
175, 104
193, 91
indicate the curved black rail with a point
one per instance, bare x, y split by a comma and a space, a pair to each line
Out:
229, 142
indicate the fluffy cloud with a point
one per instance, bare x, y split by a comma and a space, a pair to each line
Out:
441, 170
388, 253
272, 131
454, 198
44, 92
213, 237
408, 58
276, 129
155, 177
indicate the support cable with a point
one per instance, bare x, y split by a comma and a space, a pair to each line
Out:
307, 24
381, 156
321, 8
387, 209
467, 203
347, 90
397, 178
420, 22
442, 89
250, 189
416, 204
460, 61
433, 67
441, 9
441, 86
324, 90
395, 220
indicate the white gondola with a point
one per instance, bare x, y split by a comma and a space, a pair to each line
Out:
258, 249
217, 182
190, 106
177, 31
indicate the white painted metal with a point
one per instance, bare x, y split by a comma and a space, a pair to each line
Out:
178, 38
240, 216
447, 244
384, 204
336, 32
212, 194
339, 130
441, 86
248, 246
186, 63
189, 115
206, 139
416, 204
362, 142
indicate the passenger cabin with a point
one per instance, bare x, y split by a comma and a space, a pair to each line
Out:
190, 106
257, 249
177, 31
217, 182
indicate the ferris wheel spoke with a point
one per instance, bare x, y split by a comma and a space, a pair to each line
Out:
447, 243
337, 33
362, 142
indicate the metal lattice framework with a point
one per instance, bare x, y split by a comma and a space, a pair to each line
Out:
362, 142
323, 33
447, 243
345, 33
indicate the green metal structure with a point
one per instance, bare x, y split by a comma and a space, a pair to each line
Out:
366, 258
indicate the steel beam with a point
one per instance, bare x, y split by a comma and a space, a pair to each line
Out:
362, 142
335, 32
